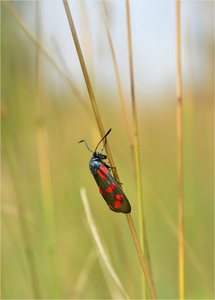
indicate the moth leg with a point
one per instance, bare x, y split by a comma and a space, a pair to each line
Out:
119, 182
112, 168
108, 167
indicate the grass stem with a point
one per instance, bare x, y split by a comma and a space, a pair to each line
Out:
181, 254
172, 225
101, 129
88, 85
118, 79
144, 266
136, 136
142, 226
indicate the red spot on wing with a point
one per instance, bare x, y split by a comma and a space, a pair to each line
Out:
118, 201
117, 204
102, 174
119, 197
102, 171
111, 187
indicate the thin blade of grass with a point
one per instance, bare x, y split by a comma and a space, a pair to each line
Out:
136, 135
98, 243
144, 266
181, 254
101, 130
137, 159
168, 219
118, 79
87, 81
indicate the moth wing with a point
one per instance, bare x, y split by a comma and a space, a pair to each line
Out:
112, 192
119, 201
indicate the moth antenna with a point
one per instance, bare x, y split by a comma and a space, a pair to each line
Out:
104, 137
103, 145
83, 141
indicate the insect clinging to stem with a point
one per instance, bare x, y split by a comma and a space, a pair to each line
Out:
108, 186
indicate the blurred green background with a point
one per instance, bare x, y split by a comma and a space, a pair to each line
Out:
47, 247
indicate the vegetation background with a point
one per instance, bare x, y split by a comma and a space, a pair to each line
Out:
47, 248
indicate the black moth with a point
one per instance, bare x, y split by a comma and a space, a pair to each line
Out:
108, 186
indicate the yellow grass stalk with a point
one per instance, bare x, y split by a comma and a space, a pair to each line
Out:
88, 85
101, 130
118, 79
191, 256
145, 268
136, 135
181, 253
142, 229
99, 246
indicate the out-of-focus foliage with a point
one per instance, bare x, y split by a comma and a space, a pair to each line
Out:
46, 244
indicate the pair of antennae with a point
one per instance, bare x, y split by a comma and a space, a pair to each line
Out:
104, 137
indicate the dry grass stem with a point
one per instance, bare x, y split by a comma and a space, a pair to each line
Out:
98, 243
181, 253
191, 256
145, 269
88, 84
97, 114
118, 79
142, 227
136, 136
